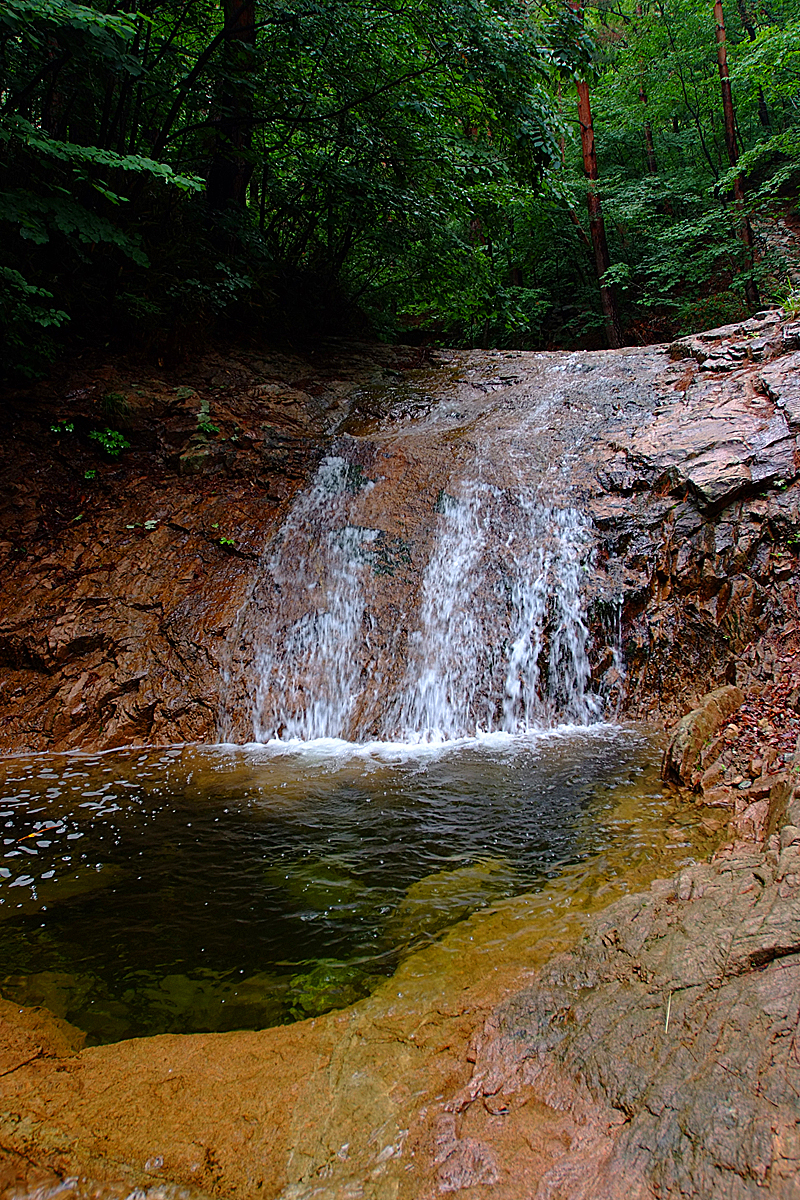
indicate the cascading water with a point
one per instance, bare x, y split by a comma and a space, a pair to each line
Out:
307, 670
494, 636
502, 641
431, 583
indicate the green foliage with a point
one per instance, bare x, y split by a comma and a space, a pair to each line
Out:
28, 320
58, 191
111, 441
417, 168
790, 303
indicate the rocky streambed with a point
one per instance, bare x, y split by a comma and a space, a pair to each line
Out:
587, 1046
554, 1046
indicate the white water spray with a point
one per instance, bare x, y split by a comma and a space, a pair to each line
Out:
307, 661
502, 640
498, 640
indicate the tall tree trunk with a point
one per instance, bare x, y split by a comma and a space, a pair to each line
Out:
573, 216
650, 150
230, 169
750, 30
649, 147
597, 227
746, 232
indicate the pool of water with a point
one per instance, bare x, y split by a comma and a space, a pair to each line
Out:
193, 888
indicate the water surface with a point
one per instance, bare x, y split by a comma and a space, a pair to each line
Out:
209, 888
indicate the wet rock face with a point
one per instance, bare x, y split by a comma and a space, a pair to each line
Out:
120, 578
133, 590
699, 520
662, 1036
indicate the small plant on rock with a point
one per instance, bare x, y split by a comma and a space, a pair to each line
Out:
791, 302
115, 404
111, 440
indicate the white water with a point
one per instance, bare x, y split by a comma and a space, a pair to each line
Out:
502, 639
497, 639
307, 669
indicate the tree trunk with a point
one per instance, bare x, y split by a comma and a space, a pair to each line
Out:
725, 82
597, 227
230, 169
650, 150
746, 232
750, 30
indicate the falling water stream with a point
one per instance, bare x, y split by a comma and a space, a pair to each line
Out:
497, 639
412, 728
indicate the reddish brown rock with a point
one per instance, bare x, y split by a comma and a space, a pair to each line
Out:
120, 579
120, 594
696, 731
659, 1036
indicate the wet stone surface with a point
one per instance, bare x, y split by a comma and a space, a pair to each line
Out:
131, 601
656, 1057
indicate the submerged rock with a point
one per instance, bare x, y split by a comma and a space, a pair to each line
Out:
441, 899
326, 887
180, 1002
329, 985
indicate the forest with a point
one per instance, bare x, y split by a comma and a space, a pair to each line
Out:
461, 172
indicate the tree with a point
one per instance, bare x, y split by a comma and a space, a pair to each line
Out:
171, 168
231, 165
597, 227
650, 150
751, 290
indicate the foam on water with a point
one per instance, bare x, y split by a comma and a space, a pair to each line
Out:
338, 750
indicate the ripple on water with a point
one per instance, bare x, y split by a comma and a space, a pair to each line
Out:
212, 888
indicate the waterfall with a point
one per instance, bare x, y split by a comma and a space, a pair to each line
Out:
502, 639
489, 634
307, 667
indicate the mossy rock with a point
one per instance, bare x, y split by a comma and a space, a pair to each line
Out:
445, 897
329, 985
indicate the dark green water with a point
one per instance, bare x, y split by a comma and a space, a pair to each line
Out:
208, 888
